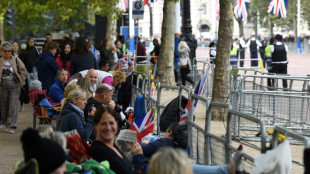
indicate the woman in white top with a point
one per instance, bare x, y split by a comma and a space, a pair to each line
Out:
184, 62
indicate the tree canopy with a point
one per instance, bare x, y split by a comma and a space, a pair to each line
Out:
40, 16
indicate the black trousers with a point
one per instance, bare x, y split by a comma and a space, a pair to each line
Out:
184, 76
241, 57
254, 56
278, 69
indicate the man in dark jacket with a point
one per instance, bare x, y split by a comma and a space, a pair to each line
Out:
103, 96
279, 57
140, 50
155, 51
58, 88
47, 67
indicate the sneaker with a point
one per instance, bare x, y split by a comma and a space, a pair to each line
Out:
11, 131
22, 108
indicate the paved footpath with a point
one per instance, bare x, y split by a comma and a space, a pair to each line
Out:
10, 145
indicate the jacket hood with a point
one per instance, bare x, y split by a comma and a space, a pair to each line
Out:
45, 54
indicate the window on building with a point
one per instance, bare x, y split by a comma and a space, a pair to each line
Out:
204, 28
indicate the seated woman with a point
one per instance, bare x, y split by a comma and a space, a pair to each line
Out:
72, 115
171, 139
103, 148
38, 98
175, 161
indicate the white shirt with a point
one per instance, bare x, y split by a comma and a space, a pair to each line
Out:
257, 43
242, 42
213, 51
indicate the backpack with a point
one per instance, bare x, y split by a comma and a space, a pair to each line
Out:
253, 45
171, 113
180, 136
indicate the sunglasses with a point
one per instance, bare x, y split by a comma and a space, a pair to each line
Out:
7, 51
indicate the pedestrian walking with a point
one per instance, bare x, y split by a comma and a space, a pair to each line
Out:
242, 47
253, 46
262, 51
47, 67
13, 75
30, 59
184, 63
212, 52
23, 98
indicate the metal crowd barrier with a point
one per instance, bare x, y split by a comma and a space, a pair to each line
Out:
206, 147
138, 86
287, 109
211, 149
259, 82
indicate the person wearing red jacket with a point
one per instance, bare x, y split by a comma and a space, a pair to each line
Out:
63, 60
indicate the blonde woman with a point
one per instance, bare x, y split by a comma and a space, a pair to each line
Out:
72, 115
85, 84
170, 161
175, 161
184, 62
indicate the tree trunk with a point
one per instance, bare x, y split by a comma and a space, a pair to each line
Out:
111, 27
255, 23
241, 30
221, 82
270, 25
295, 20
165, 72
1, 32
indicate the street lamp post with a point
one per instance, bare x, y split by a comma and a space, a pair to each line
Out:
187, 35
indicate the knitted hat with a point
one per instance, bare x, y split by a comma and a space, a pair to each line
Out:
49, 154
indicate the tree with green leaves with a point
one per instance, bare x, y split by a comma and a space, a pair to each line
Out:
41, 16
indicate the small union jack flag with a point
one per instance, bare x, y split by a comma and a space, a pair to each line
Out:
144, 124
131, 63
241, 8
278, 7
123, 63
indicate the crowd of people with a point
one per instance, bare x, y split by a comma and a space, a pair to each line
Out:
273, 55
71, 77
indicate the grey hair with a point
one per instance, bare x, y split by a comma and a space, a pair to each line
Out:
57, 137
6, 45
35, 85
75, 93
111, 47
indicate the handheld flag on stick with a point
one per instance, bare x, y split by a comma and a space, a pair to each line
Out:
144, 125
199, 91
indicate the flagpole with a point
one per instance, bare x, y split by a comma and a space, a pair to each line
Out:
298, 28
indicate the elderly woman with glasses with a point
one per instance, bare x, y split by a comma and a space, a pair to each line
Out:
12, 77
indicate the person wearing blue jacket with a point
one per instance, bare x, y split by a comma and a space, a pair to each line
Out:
57, 90
72, 115
47, 67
